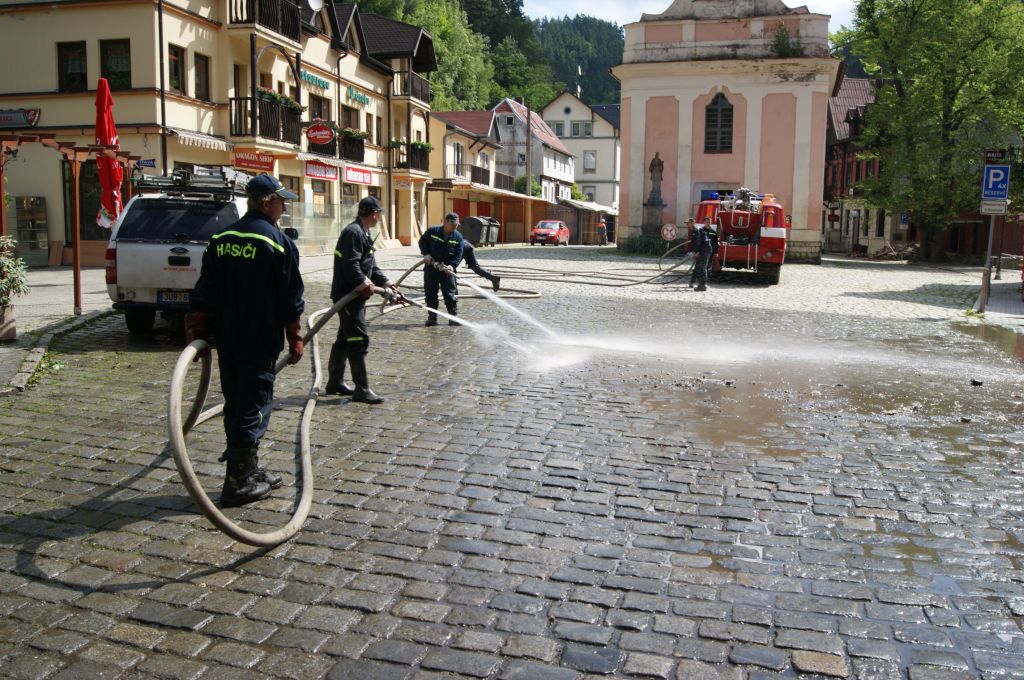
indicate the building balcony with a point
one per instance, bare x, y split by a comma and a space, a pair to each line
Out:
353, 149
330, 149
458, 173
408, 157
504, 182
274, 121
411, 85
279, 16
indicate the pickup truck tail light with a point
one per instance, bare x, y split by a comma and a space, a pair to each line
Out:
111, 262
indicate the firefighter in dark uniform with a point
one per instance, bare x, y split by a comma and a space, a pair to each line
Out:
355, 269
249, 298
442, 245
704, 243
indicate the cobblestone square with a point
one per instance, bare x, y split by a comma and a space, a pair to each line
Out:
815, 479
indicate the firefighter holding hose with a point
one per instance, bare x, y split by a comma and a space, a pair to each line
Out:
355, 269
441, 248
249, 297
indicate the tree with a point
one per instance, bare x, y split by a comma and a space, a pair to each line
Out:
464, 74
514, 75
520, 185
591, 45
949, 85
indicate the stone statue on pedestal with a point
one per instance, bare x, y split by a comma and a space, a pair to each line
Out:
654, 204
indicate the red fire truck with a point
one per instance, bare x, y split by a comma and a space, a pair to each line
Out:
752, 231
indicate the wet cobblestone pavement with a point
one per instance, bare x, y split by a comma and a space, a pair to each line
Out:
817, 479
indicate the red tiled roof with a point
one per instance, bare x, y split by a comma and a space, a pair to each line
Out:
474, 122
853, 97
540, 128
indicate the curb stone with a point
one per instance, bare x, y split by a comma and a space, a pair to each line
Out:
35, 355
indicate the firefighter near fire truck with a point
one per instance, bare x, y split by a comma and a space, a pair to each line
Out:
752, 232
704, 246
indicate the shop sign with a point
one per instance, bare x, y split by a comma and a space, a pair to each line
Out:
147, 163
355, 95
17, 118
254, 160
319, 133
318, 170
313, 80
358, 175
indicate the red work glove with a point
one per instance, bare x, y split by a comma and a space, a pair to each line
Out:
366, 293
293, 331
199, 326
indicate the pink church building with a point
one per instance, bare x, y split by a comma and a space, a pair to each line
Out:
730, 94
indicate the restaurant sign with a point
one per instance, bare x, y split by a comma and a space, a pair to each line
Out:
313, 80
355, 95
318, 170
358, 175
19, 118
254, 160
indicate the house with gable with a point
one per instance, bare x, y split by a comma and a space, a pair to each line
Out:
526, 138
591, 134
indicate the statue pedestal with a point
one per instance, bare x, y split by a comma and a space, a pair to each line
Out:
652, 217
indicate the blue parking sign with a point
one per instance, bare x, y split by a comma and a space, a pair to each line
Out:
996, 184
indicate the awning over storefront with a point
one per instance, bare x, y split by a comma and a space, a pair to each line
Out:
586, 205
326, 160
198, 139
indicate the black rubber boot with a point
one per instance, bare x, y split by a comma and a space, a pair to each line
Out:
362, 393
264, 475
336, 371
495, 282
454, 311
241, 482
431, 321
701, 287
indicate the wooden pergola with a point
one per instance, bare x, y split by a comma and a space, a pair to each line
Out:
76, 156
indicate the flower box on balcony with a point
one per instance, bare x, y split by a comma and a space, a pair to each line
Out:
284, 100
422, 146
352, 133
396, 143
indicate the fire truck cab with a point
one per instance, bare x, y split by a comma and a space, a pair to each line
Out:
752, 232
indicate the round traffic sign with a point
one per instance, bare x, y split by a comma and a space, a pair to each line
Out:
669, 232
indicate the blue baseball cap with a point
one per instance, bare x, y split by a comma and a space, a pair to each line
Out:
264, 185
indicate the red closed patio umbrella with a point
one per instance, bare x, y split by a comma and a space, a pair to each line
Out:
108, 169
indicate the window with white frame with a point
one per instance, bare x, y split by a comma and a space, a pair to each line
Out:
590, 191
558, 127
582, 128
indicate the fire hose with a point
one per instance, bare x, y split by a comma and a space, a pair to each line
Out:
177, 429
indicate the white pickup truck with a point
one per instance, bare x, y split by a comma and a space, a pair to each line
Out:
156, 246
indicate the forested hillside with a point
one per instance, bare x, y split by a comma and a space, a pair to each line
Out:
488, 50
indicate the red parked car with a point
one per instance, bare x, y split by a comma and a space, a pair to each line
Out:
550, 231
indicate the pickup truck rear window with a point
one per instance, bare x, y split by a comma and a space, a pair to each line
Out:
174, 220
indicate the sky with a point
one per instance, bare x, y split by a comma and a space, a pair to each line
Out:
628, 11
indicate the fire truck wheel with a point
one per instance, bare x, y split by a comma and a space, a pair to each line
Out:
771, 273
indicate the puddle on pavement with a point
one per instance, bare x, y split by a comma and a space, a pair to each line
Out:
1006, 339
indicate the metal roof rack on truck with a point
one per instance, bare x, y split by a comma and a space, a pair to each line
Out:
200, 180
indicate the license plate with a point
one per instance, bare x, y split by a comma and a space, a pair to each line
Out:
177, 297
